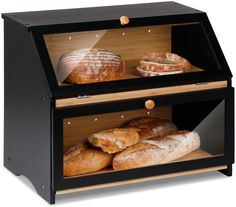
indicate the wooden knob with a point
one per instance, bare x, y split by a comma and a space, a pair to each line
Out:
124, 20
149, 104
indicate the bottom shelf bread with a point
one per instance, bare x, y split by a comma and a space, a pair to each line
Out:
141, 142
197, 154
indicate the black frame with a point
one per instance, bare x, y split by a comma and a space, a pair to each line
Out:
59, 114
134, 84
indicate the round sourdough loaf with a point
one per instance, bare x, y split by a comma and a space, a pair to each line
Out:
81, 160
90, 65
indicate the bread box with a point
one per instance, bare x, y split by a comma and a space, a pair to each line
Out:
107, 96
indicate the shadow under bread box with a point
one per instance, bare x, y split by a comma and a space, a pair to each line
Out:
106, 96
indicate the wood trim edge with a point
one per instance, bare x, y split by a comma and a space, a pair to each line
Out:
139, 93
126, 182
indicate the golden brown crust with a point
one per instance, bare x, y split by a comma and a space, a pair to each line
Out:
138, 155
151, 127
157, 151
73, 151
159, 63
147, 73
90, 65
114, 140
81, 160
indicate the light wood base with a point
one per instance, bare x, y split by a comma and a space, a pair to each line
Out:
106, 185
140, 93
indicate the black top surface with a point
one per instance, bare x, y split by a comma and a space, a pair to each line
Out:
52, 17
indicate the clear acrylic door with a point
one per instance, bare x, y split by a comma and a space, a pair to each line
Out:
124, 140
128, 53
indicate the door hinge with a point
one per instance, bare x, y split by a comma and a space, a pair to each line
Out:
202, 83
83, 96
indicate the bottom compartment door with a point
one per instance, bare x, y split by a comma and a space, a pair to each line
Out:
131, 139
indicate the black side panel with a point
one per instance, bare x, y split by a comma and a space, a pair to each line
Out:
27, 118
191, 42
188, 118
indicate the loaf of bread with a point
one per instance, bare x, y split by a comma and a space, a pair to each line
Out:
90, 65
157, 151
80, 159
162, 63
114, 140
151, 127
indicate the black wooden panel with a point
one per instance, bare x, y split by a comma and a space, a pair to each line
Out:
27, 118
39, 18
191, 42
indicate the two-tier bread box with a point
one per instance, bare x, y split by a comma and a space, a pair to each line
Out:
107, 96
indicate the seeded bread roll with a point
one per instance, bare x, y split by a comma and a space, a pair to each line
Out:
151, 127
162, 63
157, 151
90, 65
114, 140
81, 160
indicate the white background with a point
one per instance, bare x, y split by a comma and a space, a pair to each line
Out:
211, 189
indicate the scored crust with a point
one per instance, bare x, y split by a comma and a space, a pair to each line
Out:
75, 150
138, 155
80, 160
151, 127
146, 73
161, 63
157, 151
114, 140
90, 65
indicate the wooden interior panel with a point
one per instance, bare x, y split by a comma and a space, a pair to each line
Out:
77, 129
129, 43
132, 43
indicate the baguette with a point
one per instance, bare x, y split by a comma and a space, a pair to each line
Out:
81, 160
157, 151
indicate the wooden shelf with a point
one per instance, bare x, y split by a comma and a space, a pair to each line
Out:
197, 154
132, 73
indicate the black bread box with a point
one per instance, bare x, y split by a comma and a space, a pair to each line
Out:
71, 74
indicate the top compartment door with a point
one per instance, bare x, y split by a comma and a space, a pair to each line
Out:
101, 58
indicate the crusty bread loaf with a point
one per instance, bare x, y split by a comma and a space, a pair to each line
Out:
157, 151
81, 160
90, 65
114, 140
151, 127
162, 63
148, 73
